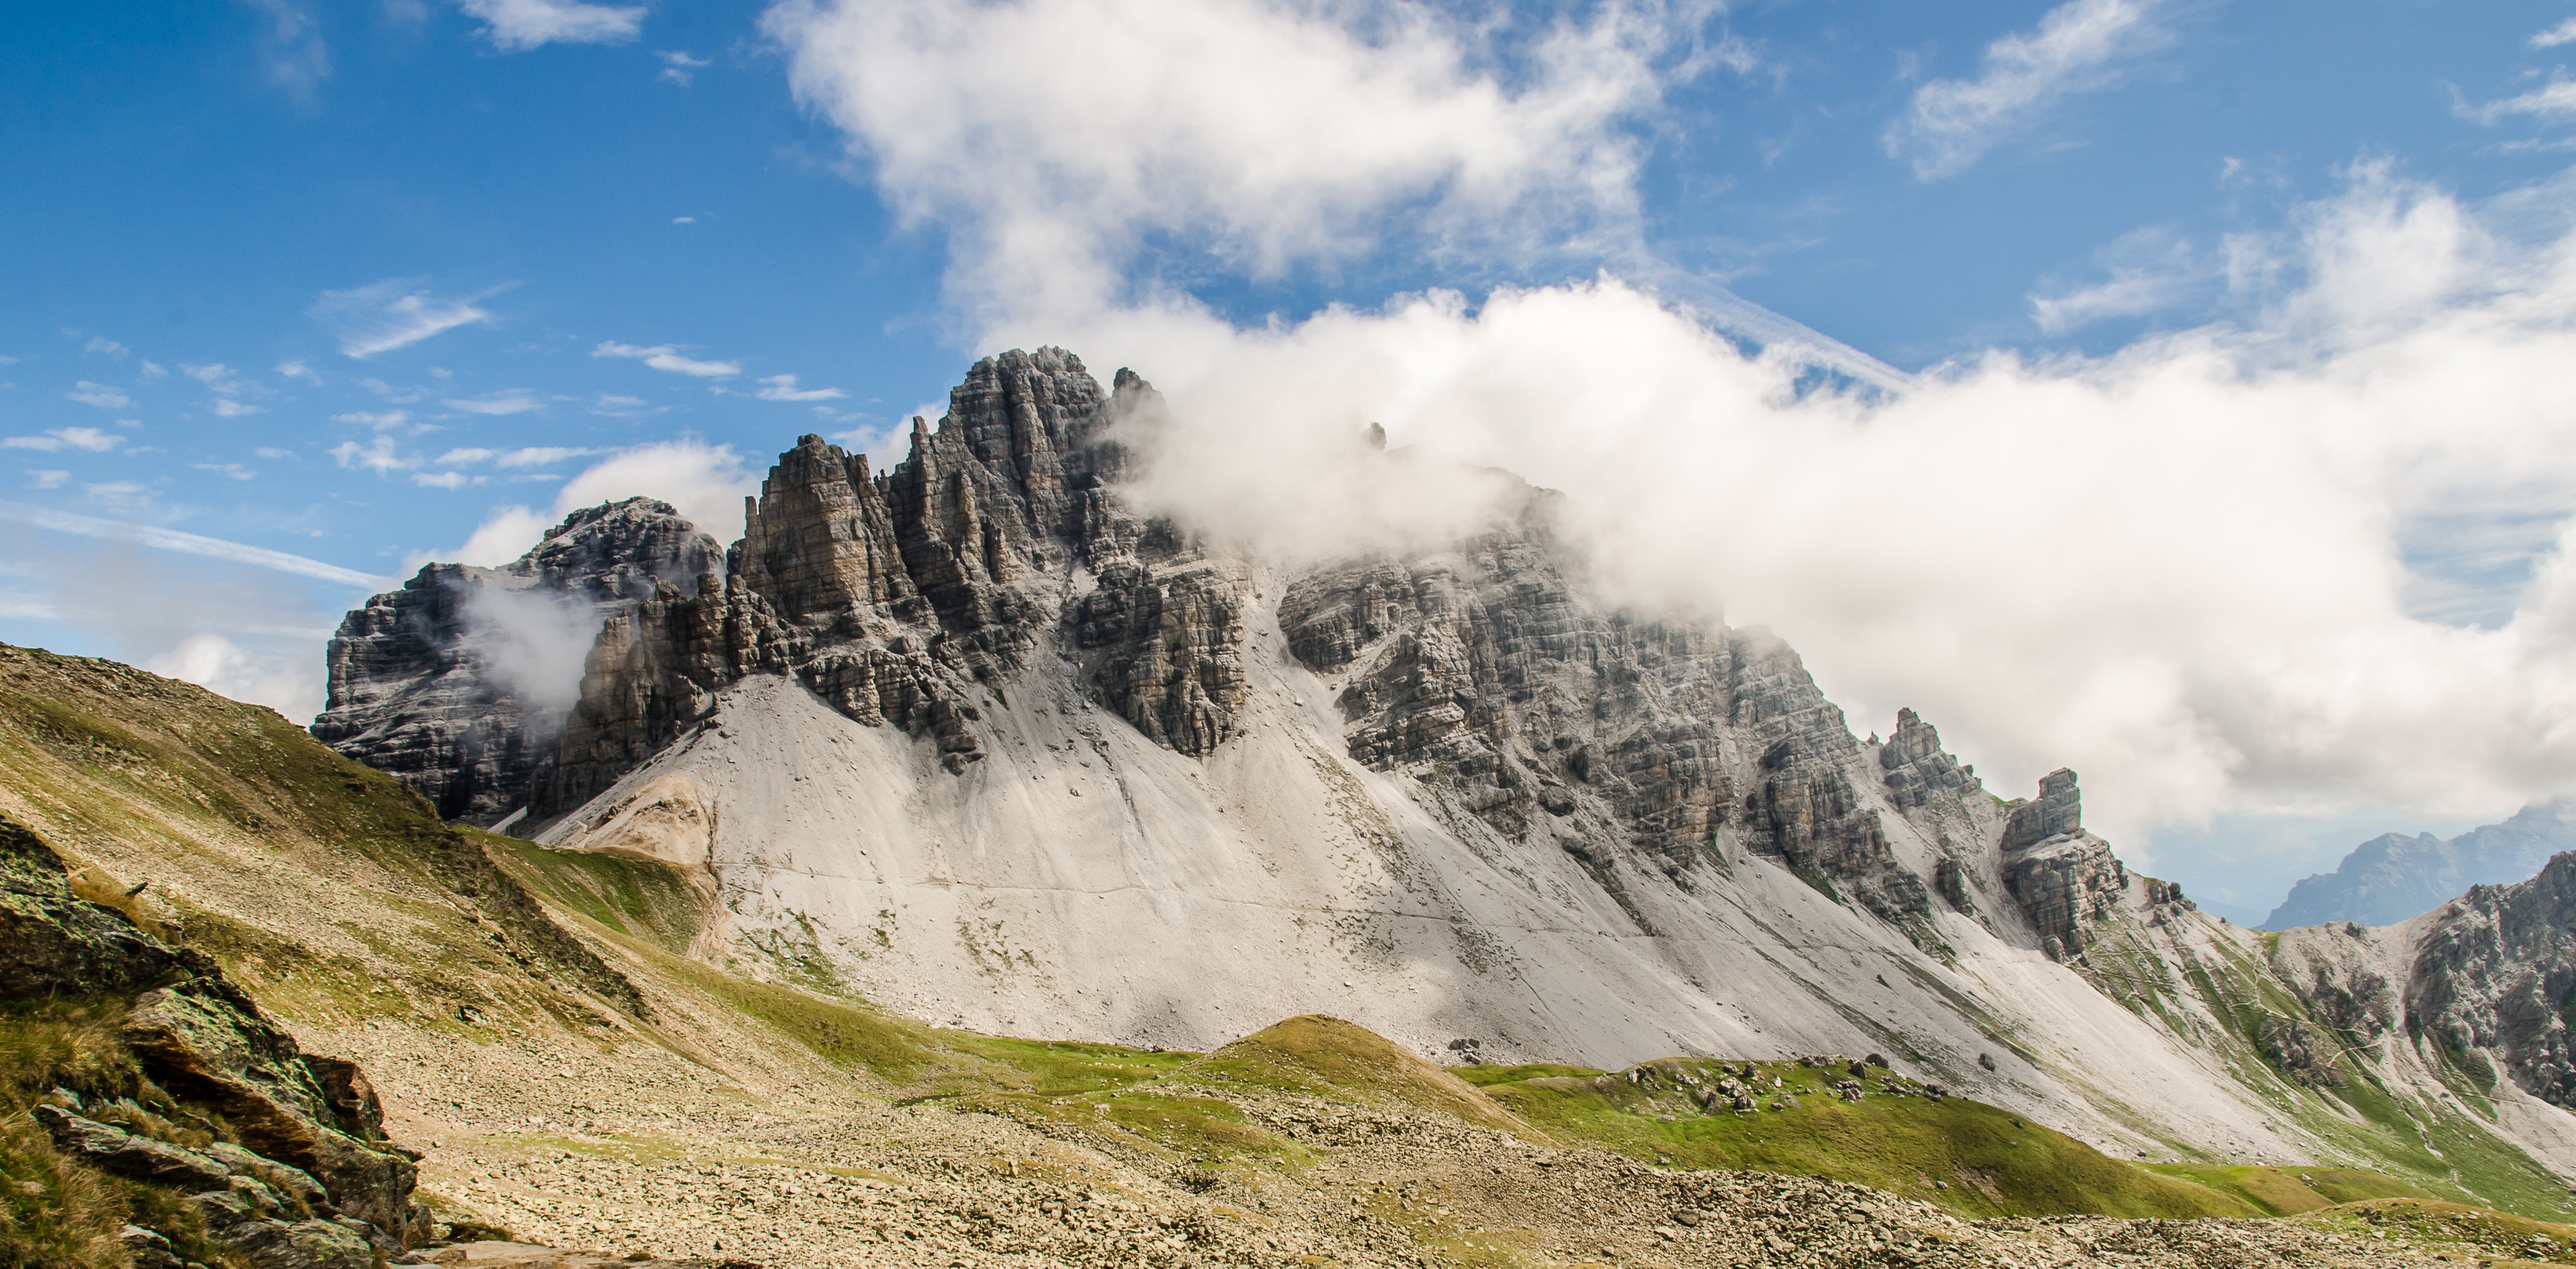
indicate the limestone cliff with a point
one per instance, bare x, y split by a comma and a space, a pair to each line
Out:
446, 683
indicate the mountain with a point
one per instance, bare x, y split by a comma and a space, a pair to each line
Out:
544, 1048
2392, 877
972, 739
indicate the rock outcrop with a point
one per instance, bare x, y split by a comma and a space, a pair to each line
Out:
458, 683
298, 1171
2392, 877
2495, 970
904, 597
2064, 878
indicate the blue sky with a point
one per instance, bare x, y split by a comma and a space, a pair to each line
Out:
302, 293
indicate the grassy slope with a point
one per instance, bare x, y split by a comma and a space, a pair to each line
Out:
1993, 1164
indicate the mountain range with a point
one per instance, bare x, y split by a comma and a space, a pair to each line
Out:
973, 738
2392, 876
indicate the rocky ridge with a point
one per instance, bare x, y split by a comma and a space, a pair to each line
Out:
2393, 877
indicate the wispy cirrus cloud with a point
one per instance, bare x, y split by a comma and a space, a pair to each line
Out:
679, 68
395, 313
528, 456
292, 49
515, 26
783, 388
2554, 100
100, 395
55, 439
184, 543
666, 357
506, 401
2563, 33
378, 456
2080, 46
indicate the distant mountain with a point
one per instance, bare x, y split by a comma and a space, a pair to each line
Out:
2392, 877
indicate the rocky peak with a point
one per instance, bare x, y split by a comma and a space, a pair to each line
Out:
900, 596
2058, 811
452, 684
1917, 770
2495, 969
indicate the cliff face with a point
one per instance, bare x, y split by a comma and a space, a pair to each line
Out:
451, 684
900, 597
2392, 877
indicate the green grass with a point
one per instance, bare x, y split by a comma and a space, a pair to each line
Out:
1487, 1076
1327, 1057
1993, 1163
639, 898
2290, 1191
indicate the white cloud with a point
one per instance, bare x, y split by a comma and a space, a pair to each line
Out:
684, 220
516, 26
270, 451
2080, 46
227, 408
155, 370
664, 357
441, 480
617, 406
6, 360
1052, 137
783, 388
461, 457
506, 401
42, 479
292, 49
230, 471
128, 497
705, 482
377, 419
539, 456
103, 345
2563, 33
398, 396
2554, 100
290, 684
395, 313
377, 456
2151, 270
2187, 569
100, 395
677, 67
297, 370
62, 438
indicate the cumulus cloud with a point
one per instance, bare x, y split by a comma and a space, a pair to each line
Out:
62, 438
706, 483
783, 388
515, 26
378, 456
2080, 46
291, 685
395, 313
2190, 569
1052, 138
665, 357
2563, 33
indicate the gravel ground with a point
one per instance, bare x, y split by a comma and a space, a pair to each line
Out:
634, 1151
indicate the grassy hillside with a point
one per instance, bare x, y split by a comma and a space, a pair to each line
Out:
1971, 1158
